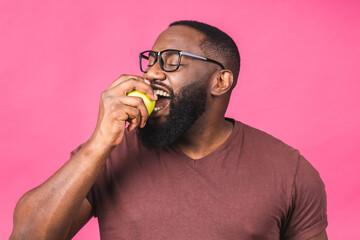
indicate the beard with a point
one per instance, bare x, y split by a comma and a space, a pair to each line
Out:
185, 108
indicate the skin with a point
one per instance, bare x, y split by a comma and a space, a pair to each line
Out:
58, 208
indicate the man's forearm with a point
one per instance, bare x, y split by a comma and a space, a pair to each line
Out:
50, 208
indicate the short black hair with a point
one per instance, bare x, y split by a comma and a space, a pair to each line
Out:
218, 43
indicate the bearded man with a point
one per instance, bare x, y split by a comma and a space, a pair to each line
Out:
184, 171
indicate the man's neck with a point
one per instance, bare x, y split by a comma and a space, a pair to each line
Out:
204, 137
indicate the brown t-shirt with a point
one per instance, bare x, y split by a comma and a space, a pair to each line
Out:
253, 187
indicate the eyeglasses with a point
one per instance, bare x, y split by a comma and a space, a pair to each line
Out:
169, 59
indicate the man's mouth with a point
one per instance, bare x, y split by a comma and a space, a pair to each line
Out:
163, 102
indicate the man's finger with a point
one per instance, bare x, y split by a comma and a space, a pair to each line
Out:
130, 85
136, 102
123, 78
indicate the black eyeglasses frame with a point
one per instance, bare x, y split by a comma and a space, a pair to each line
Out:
181, 53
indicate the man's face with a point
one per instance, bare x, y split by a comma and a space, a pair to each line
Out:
184, 109
187, 88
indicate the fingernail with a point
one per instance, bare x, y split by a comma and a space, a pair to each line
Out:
147, 81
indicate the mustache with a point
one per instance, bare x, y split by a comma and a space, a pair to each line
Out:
159, 83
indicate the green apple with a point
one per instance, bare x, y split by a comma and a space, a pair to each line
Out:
150, 104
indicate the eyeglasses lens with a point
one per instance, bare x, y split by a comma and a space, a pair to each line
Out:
170, 60
147, 59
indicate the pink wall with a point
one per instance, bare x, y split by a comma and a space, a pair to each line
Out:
299, 81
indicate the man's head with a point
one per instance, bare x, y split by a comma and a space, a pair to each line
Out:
216, 44
198, 89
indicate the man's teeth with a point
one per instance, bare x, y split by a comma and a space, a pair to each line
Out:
162, 93
157, 108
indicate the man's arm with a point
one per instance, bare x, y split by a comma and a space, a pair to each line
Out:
83, 216
58, 208
308, 219
49, 210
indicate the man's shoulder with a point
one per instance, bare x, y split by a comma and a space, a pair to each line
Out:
260, 138
266, 148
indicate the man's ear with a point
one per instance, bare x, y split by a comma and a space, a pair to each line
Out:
222, 82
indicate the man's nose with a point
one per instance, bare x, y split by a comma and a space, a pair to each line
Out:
155, 73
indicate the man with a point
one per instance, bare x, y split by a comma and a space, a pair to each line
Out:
189, 173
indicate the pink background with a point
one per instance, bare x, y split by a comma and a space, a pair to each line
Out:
299, 81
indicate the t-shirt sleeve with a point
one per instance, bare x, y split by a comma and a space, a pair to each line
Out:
90, 195
307, 214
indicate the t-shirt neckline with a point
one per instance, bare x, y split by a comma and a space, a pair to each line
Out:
219, 150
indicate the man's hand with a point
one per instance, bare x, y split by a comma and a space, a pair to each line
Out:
116, 108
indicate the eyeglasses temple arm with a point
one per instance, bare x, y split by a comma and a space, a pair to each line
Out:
202, 58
